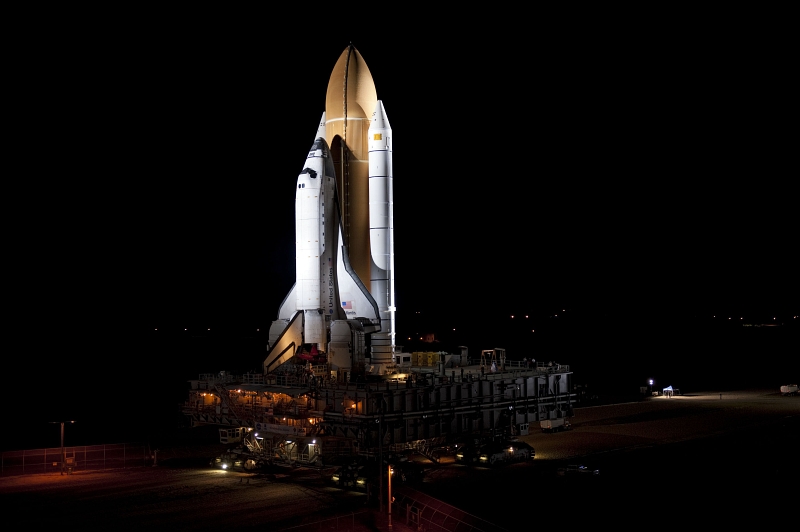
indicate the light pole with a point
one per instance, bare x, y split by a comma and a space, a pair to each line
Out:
63, 457
380, 461
389, 499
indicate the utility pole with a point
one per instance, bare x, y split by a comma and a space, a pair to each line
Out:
390, 497
63, 455
380, 460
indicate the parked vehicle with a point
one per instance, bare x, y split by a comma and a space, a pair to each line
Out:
468, 453
555, 425
345, 475
503, 453
366, 476
237, 459
576, 469
363, 475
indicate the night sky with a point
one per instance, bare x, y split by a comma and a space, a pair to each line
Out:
631, 179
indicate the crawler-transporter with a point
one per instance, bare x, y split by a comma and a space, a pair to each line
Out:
304, 414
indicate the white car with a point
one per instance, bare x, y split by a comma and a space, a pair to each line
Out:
495, 454
575, 469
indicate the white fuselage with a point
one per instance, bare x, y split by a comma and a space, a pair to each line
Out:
315, 234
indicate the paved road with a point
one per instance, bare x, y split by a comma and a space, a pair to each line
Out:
688, 460
663, 460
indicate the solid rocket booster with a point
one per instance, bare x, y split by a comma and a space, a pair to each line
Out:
381, 222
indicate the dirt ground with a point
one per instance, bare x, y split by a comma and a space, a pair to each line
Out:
682, 461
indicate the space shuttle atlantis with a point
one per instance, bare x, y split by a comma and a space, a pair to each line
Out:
341, 308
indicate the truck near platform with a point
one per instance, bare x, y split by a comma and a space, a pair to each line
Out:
555, 425
789, 389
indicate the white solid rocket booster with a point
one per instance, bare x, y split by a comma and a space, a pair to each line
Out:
381, 235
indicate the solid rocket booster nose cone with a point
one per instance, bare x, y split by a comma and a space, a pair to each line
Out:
379, 120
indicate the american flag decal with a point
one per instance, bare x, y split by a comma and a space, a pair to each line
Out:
347, 305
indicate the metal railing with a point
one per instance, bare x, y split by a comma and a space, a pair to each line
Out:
348, 522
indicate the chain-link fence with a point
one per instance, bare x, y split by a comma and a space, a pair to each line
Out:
67, 460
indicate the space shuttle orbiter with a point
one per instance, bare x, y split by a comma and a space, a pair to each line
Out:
326, 288
344, 234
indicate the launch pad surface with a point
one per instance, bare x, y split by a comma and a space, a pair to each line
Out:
653, 456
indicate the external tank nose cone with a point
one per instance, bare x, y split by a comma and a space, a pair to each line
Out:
351, 90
